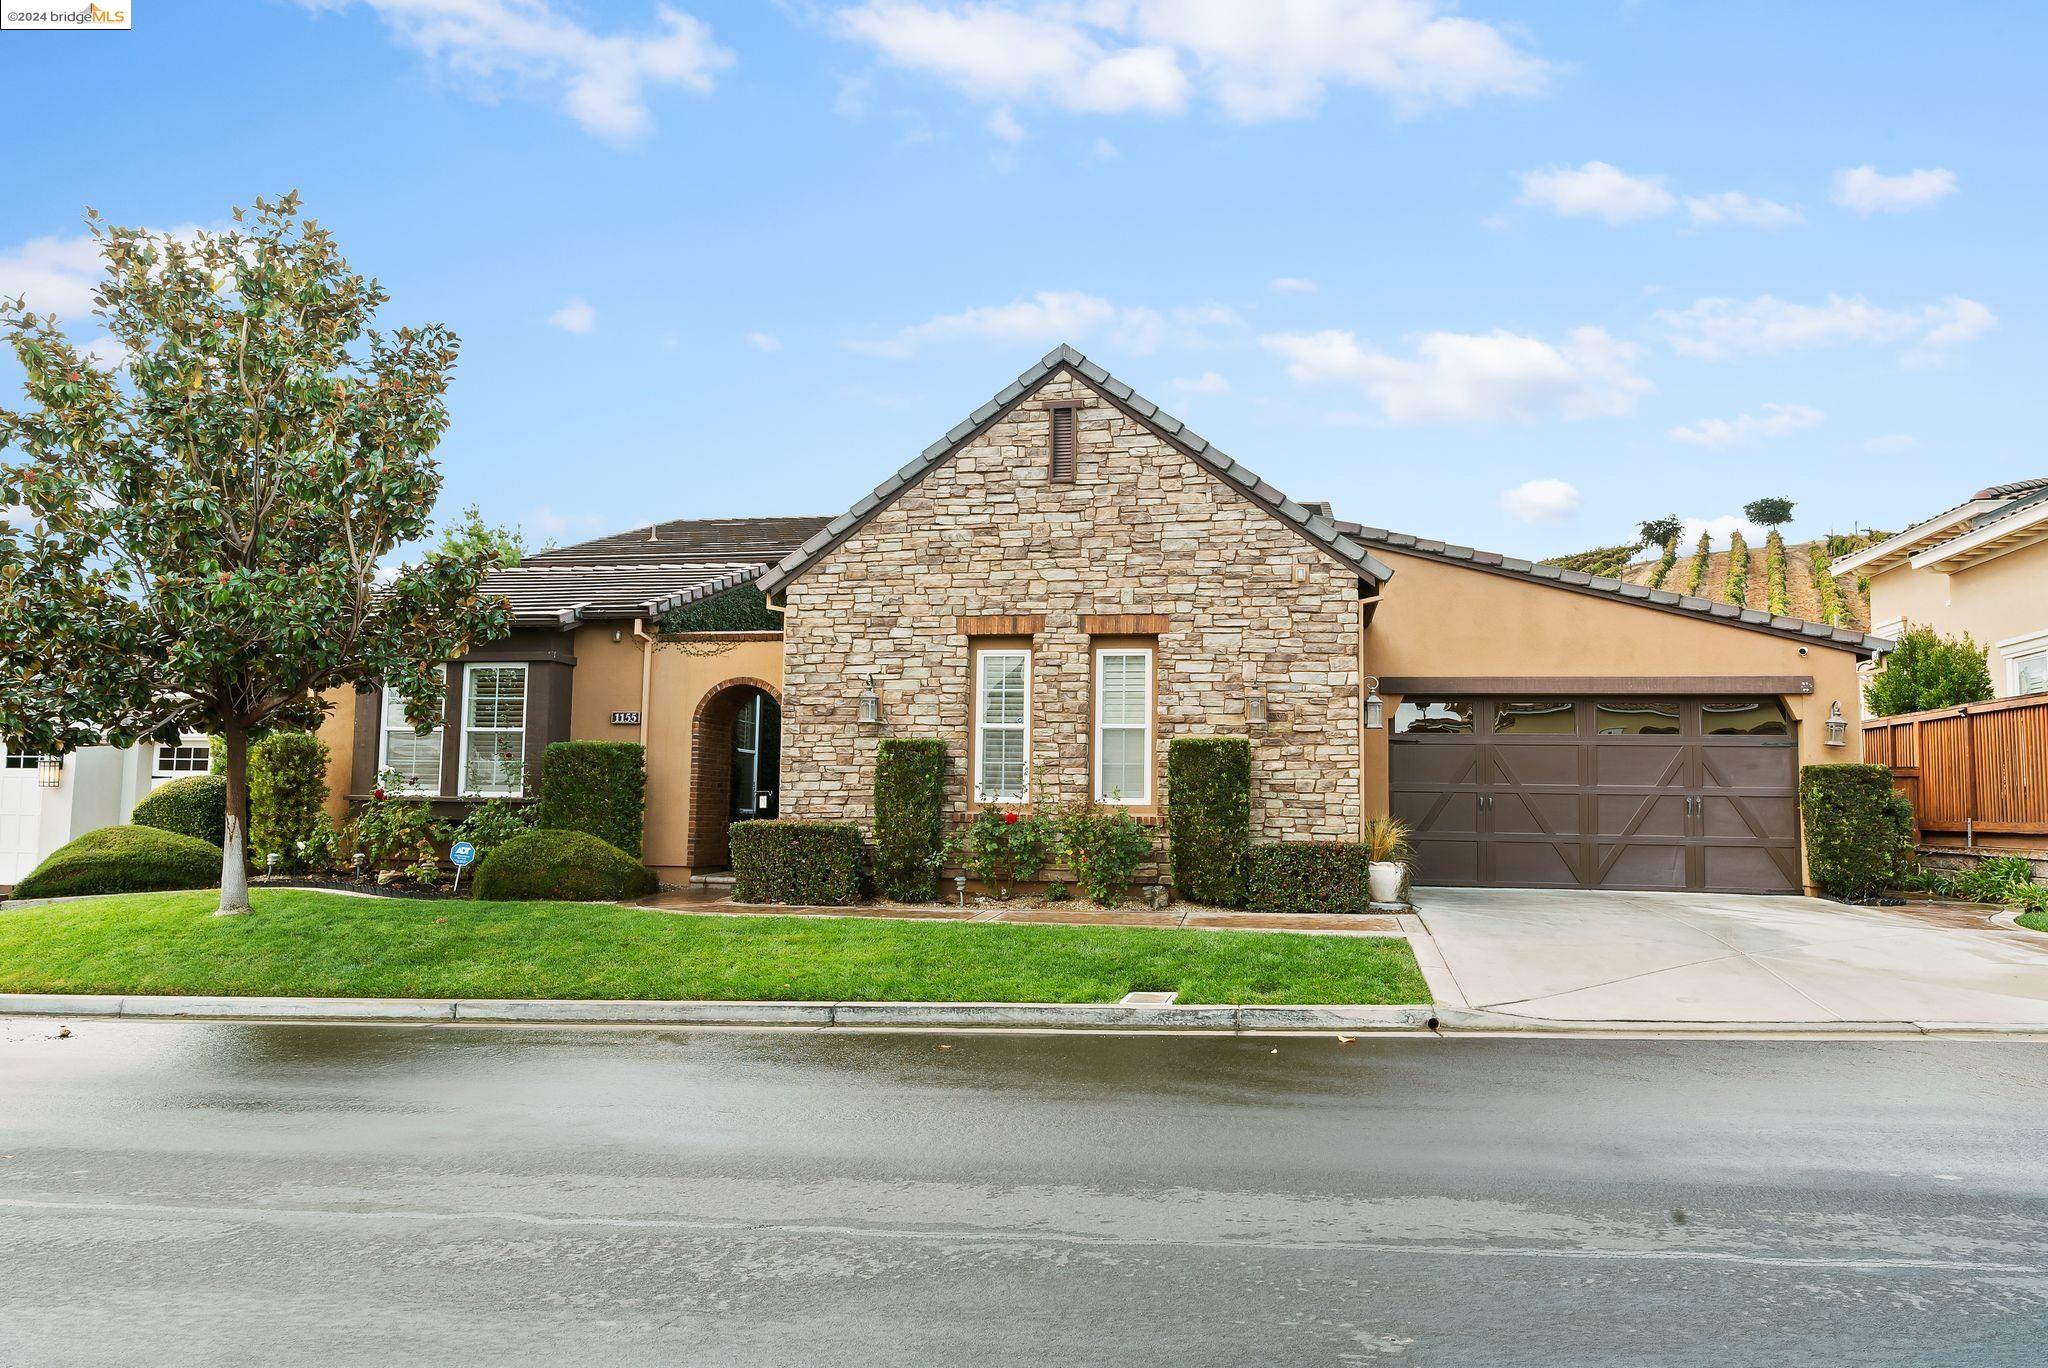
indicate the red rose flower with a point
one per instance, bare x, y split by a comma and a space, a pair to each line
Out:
1009, 819
377, 792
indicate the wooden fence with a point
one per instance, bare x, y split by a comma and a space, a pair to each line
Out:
1983, 767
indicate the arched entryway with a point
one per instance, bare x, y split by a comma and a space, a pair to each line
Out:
735, 765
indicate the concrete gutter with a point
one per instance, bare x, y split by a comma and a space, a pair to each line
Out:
1460, 1021
1057, 1016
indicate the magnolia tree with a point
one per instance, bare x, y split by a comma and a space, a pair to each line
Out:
198, 527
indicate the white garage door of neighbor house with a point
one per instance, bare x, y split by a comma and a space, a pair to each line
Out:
21, 811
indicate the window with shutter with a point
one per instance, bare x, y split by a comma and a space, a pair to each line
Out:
1002, 726
1123, 726
1062, 467
494, 731
416, 758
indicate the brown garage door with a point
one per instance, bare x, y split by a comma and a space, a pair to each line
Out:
1681, 793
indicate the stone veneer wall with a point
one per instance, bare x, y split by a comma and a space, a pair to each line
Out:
1143, 529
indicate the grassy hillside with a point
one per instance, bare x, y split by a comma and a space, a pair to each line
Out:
1804, 595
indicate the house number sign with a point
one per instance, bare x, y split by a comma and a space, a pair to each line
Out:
625, 719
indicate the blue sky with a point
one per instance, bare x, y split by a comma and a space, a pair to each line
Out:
1513, 275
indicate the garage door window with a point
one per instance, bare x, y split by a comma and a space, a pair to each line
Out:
1637, 717
1540, 717
1433, 717
1744, 717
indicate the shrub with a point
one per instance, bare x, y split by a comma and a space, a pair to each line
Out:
493, 822
2006, 879
1209, 817
287, 796
1702, 557
1600, 560
124, 859
1777, 601
1928, 671
1859, 832
394, 832
1736, 590
564, 866
596, 786
744, 609
1385, 839
195, 807
1665, 560
910, 817
807, 864
1005, 847
1310, 876
1103, 847
1827, 594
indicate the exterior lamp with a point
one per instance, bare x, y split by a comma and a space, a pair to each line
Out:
1255, 706
1838, 726
49, 771
870, 705
1375, 707
960, 888
270, 864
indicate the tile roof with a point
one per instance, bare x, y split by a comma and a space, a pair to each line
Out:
564, 595
760, 540
1558, 577
1930, 535
1314, 526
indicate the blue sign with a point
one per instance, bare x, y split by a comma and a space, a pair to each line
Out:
462, 853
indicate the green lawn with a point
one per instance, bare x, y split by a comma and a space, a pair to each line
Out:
302, 944
2034, 921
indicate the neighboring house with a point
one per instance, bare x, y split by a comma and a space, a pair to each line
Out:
1980, 567
95, 787
1070, 579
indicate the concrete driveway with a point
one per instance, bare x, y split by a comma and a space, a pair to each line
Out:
1690, 957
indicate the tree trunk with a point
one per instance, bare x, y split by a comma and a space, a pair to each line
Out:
234, 858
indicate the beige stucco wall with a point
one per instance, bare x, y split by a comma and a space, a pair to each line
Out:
1993, 602
338, 734
1142, 529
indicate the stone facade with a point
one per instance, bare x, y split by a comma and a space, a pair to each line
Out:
1143, 529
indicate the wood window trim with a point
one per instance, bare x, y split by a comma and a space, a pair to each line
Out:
1058, 471
1126, 624
1018, 625
977, 648
1148, 811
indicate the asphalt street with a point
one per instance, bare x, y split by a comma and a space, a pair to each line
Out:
283, 1194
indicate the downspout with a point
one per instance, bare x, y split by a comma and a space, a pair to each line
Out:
646, 674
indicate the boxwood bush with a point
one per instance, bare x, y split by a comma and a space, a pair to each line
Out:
1859, 831
565, 866
910, 817
596, 786
1209, 817
195, 807
287, 797
808, 864
124, 859
1310, 876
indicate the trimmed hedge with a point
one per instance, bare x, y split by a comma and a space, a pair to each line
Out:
562, 866
1209, 817
806, 864
910, 817
195, 807
124, 859
1859, 831
596, 786
287, 796
1310, 876
741, 609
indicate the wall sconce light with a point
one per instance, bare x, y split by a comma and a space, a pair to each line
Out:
49, 771
1838, 726
1375, 707
870, 705
1255, 706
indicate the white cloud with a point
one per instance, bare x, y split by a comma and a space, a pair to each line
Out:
1541, 501
1725, 329
1469, 378
1597, 190
1051, 316
600, 79
1722, 530
1776, 420
1003, 124
575, 316
1734, 207
1867, 190
56, 275
1892, 444
761, 341
1208, 382
1155, 56
1292, 285
1102, 151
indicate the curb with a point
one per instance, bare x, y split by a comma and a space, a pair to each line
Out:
855, 1015
1480, 1021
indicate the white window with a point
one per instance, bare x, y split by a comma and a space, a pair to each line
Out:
494, 730
2026, 664
192, 755
1123, 726
1002, 726
416, 758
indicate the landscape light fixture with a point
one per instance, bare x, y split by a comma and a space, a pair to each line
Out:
49, 771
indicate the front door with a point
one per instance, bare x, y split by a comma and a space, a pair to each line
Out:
756, 758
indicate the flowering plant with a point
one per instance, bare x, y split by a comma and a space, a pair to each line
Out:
1005, 847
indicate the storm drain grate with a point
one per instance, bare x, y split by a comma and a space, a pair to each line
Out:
1149, 999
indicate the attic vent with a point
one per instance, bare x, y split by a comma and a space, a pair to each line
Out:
1061, 469
1319, 507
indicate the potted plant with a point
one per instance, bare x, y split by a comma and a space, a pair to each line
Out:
1386, 845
